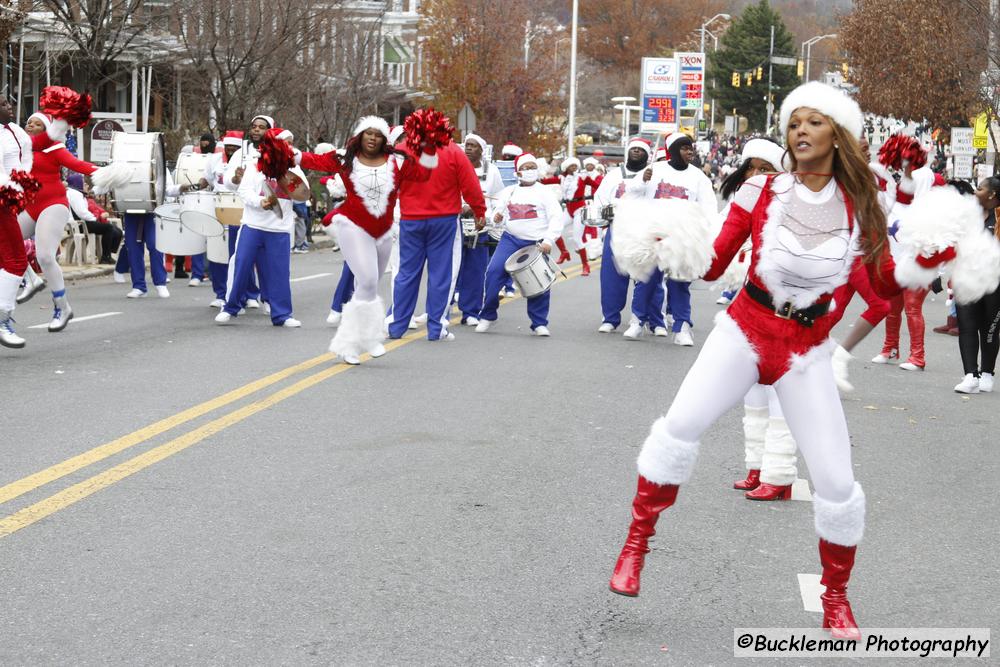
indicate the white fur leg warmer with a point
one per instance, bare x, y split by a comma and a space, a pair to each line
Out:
754, 428
360, 328
841, 523
664, 459
778, 466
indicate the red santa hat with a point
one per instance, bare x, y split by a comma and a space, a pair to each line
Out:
395, 133
765, 150
591, 161
372, 123
323, 148
284, 135
674, 138
569, 162
266, 119
524, 158
639, 142
233, 138
510, 148
661, 154
829, 101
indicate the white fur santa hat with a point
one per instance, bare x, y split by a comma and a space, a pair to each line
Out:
674, 138
395, 133
266, 119
323, 148
639, 142
286, 135
524, 158
233, 138
472, 136
511, 149
569, 162
827, 100
591, 161
372, 123
661, 154
55, 128
765, 150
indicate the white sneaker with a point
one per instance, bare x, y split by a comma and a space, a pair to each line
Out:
471, 321
446, 335
350, 359
910, 367
253, 303
669, 321
413, 324
684, 337
421, 319
267, 308
223, 318
542, 331
162, 291
291, 323
660, 332
483, 326
606, 327
194, 282
969, 385
882, 358
377, 351
135, 293
634, 331
723, 301
986, 382
840, 359
217, 303
333, 319
119, 277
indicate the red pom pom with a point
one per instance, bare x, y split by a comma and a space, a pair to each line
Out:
12, 199
276, 156
29, 185
900, 147
426, 128
66, 104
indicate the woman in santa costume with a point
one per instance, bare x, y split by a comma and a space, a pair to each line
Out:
16, 186
806, 228
574, 190
46, 217
372, 173
531, 215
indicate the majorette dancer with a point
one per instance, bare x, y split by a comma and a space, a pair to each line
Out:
16, 187
676, 179
214, 178
647, 296
806, 228
372, 176
47, 216
531, 215
574, 189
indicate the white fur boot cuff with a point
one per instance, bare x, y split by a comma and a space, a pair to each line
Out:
841, 523
664, 459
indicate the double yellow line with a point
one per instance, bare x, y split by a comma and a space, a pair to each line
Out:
77, 492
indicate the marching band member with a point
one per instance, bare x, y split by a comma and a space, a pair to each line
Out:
265, 237
472, 272
510, 151
15, 163
532, 215
373, 178
574, 187
214, 177
676, 179
647, 296
807, 227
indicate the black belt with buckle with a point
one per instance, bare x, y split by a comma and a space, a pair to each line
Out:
786, 311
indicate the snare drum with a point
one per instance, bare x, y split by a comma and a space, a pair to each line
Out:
593, 215
228, 208
217, 247
144, 154
198, 213
190, 168
172, 237
533, 271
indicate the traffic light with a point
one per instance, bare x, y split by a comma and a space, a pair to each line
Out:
749, 78
844, 69
800, 69
760, 72
736, 79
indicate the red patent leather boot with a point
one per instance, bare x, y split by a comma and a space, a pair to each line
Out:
563, 252
837, 564
952, 323
650, 499
586, 264
770, 492
750, 483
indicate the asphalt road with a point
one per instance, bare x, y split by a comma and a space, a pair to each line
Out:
450, 503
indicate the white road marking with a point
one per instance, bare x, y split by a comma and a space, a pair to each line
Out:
811, 589
78, 319
800, 490
304, 278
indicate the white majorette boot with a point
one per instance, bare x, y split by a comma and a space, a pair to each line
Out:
61, 312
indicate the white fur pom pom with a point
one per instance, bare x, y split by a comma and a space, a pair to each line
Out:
112, 176
936, 220
672, 234
909, 274
976, 269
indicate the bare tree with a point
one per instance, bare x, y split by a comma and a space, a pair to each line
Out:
12, 13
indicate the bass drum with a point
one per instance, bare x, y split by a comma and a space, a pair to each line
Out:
217, 247
172, 237
144, 154
190, 168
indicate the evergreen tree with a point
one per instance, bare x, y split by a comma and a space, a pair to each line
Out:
743, 48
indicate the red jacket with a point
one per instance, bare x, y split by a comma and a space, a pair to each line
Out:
454, 180
49, 159
374, 217
578, 200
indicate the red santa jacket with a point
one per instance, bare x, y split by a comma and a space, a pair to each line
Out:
49, 159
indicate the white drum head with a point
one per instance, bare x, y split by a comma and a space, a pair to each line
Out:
521, 258
200, 222
168, 211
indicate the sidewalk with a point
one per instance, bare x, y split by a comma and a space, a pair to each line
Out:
83, 272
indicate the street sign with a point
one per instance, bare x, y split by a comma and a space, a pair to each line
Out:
783, 60
981, 137
963, 166
962, 141
660, 81
466, 120
983, 170
100, 139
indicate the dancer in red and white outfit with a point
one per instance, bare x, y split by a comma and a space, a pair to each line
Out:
15, 163
372, 173
806, 227
574, 191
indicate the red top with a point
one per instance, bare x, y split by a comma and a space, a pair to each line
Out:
96, 209
49, 159
453, 180
578, 200
375, 217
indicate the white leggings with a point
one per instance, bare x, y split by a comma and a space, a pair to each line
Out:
48, 231
764, 396
366, 256
574, 224
722, 375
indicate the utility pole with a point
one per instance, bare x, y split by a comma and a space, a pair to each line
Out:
770, 73
571, 130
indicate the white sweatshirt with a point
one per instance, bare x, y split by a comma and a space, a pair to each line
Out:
215, 174
78, 205
531, 213
492, 187
253, 188
615, 185
690, 183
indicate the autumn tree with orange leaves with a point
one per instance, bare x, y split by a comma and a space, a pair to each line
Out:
474, 53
